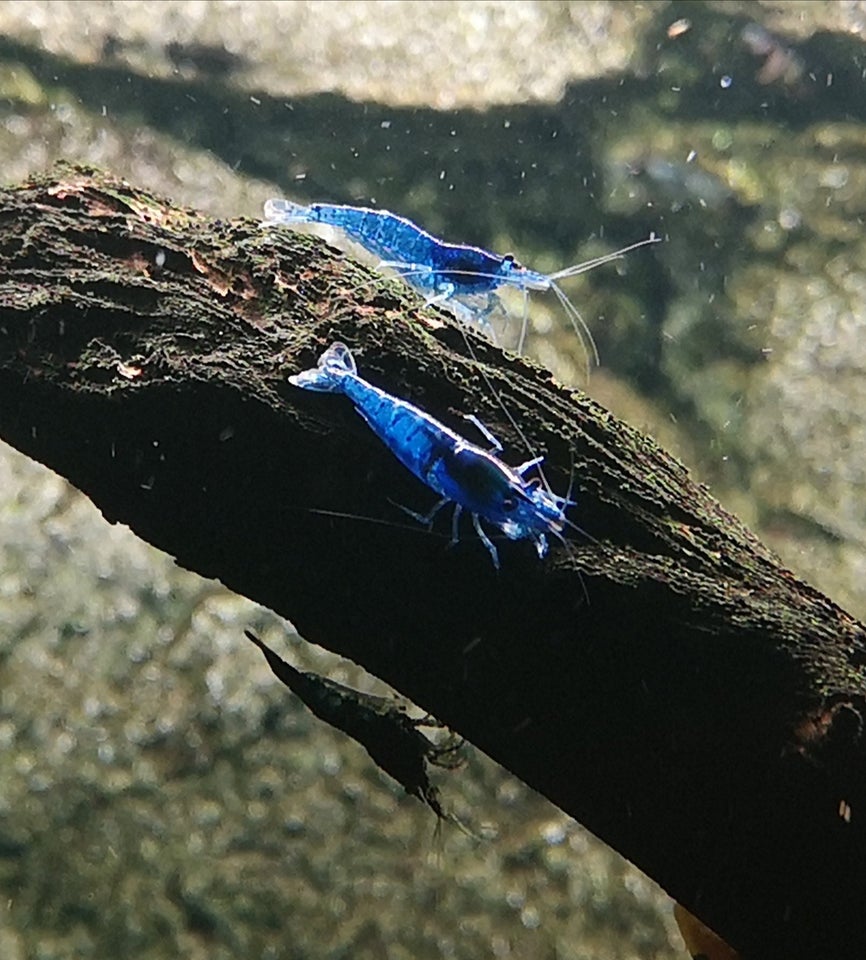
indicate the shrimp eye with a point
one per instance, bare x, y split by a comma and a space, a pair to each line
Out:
510, 265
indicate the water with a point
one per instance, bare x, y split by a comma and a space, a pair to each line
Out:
143, 748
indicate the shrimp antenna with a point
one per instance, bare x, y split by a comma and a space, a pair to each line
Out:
508, 415
588, 265
579, 326
569, 523
451, 301
524, 323
577, 322
454, 297
378, 521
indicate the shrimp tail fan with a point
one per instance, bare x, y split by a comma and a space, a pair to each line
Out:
278, 210
334, 365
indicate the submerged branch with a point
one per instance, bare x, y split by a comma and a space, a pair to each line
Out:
666, 682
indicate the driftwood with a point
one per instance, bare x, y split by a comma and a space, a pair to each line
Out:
664, 680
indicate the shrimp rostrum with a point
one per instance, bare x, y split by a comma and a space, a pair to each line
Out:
462, 473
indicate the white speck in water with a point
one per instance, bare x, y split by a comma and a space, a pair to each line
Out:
256, 101
442, 174
159, 259
692, 156
725, 82
385, 124
679, 27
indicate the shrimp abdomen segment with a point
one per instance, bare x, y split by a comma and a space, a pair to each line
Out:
439, 457
416, 439
382, 233
427, 263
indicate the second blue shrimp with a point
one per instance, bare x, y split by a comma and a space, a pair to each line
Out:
437, 269
463, 277
462, 473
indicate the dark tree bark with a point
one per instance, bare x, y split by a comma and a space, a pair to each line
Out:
667, 683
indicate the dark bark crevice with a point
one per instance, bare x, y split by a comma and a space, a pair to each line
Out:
667, 682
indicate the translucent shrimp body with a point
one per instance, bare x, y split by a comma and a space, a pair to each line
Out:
471, 478
436, 268
462, 277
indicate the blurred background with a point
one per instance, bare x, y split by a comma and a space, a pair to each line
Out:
160, 794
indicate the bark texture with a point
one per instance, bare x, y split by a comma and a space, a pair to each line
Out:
668, 683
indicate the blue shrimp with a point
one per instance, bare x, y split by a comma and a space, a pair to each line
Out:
452, 274
462, 473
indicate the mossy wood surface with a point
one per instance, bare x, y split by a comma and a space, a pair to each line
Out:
664, 680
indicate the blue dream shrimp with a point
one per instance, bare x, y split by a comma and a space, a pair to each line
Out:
471, 478
466, 279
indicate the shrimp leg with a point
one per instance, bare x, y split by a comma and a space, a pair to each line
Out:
491, 549
426, 519
495, 445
